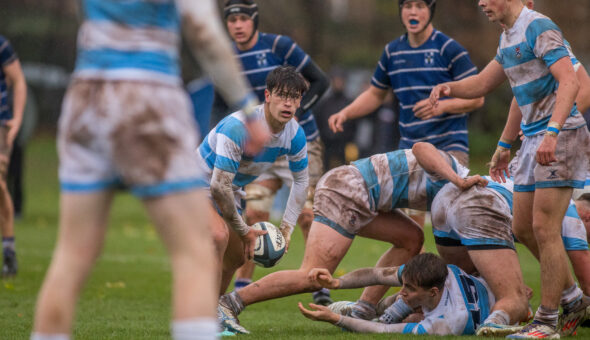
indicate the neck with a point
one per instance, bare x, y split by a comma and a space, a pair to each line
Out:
248, 44
435, 300
417, 39
512, 15
274, 125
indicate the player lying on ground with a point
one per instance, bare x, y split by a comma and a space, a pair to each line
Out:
358, 199
228, 168
550, 167
453, 302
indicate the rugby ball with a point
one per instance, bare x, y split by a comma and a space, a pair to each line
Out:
270, 247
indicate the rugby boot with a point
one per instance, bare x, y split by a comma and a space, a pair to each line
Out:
228, 319
571, 319
535, 330
10, 265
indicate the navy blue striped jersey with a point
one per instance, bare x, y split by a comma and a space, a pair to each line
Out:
7, 56
412, 73
271, 51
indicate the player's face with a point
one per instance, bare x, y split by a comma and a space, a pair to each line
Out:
495, 10
240, 27
415, 16
282, 104
415, 296
583, 208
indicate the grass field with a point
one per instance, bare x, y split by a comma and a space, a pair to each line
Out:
127, 296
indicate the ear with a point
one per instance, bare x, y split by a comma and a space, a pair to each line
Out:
434, 291
267, 95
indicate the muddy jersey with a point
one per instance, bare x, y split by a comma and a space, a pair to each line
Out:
465, 303
396, 180
223, 148
526, 52
129, 40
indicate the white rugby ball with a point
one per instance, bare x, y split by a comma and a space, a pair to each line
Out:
270, 247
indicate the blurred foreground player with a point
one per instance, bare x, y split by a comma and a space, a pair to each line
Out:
126, 121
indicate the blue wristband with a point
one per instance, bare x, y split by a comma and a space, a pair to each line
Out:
552, 129
504, 145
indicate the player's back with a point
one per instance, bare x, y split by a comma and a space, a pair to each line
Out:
396, 180
129, 40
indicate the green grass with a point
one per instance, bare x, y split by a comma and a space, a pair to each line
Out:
127, 296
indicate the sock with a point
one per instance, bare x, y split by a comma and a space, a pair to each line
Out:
8, 242
323, 291
195, 329
234, 302
571, 297
42, 336
363, 310
396, 313
241, 283
547, 316
499, 317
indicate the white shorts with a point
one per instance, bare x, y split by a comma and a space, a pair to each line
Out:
572, 153
141, 136
477, 218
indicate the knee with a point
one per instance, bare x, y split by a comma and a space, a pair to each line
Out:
544, 233
305, 219
220, 235
413, 242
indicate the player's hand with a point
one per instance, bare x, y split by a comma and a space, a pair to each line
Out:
321, 313
546, 151
424, 109
258, 135
521, 135
470, 181
336, 122
250, 241
13, 127
286, 230
323, 277
499, 165
438, 92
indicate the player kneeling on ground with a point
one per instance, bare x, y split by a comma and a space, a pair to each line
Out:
453, 302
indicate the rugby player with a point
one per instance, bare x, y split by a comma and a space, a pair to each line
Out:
11, 74
259, 53
229, 168
126, 122
357, 199
549, 168
453, 302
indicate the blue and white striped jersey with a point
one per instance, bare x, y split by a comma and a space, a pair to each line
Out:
270, 51
573, 232
466, 302
223, 148
526, 52
396, 180
129, 40
7, 56
412, 73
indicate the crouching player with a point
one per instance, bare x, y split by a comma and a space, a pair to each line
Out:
358, 199
229, 168
453, 302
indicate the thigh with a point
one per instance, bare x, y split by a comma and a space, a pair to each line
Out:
4, 152
500, 269
325, 247
458, 256
394, 227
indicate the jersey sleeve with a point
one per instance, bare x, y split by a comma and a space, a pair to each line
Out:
380, 78
431, 326
7, 53
545, 39
460, 64
298, 152
231, 138
290, 52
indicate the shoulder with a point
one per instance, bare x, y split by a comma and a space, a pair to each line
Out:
278, 43
448, 46
233, 127
537, 23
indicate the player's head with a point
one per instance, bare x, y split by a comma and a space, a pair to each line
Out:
284, 89
500, 10
416, 15
582, 199
424, 278
241, 17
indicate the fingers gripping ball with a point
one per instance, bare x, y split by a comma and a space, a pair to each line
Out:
270, 247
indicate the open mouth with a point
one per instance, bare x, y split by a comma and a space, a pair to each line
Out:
414, 22
286, 114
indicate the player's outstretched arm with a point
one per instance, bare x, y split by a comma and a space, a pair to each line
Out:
501, 157
318, 85
324, 278
209, 43
222, 192
365, 103
359, 278
471, 87
425, 110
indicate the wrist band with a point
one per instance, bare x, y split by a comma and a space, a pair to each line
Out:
552, 131
504, 145
554, 125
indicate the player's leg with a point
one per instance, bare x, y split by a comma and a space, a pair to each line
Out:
260, 196
580, 260
522, 220
9, 264
458, 256
83, 221
406, 238
181, 220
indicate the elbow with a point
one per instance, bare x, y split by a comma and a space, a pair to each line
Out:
479, 102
